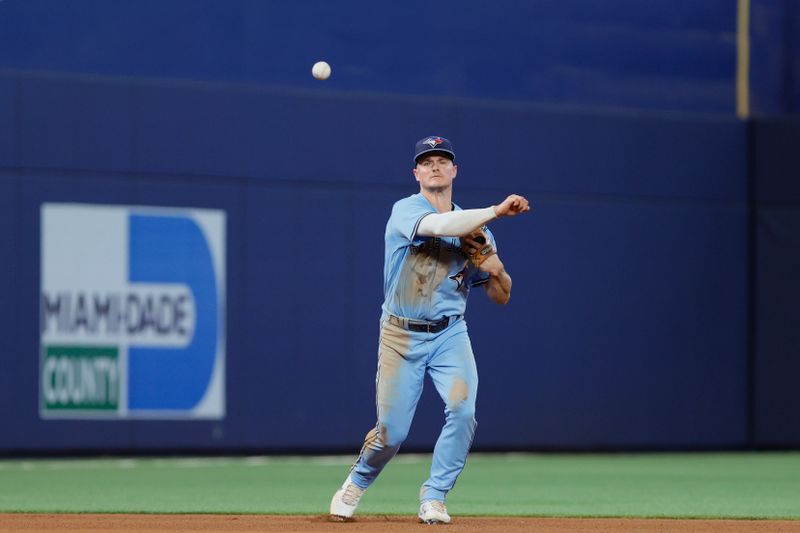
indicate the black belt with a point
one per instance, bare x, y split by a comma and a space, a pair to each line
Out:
423, 325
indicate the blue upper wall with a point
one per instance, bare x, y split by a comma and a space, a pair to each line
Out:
660, 54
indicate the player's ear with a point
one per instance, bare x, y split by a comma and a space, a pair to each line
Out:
415, 174
455, 170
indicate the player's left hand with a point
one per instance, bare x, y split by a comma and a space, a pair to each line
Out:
477, 247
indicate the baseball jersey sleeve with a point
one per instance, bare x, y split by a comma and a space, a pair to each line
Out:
406, 216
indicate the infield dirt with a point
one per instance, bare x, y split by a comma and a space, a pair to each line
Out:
313, 524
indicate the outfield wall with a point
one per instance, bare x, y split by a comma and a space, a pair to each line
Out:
628, 327
777, 283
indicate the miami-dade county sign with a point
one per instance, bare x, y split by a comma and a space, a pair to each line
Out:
132, 312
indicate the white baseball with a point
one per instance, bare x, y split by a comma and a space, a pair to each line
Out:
321, 70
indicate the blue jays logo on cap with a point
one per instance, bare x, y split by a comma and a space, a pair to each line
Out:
431, 144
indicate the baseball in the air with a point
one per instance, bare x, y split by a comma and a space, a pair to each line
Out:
321, 70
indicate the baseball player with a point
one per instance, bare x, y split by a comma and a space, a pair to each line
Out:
435, 253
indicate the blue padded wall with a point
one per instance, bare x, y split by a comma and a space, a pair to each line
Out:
777, 284
628, 324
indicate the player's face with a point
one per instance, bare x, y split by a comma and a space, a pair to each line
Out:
435, 172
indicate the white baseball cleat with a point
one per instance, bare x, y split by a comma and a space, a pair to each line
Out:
346, 499
433, 512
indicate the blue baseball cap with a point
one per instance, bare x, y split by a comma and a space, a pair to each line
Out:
433, 144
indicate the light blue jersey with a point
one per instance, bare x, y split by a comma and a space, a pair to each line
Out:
425, 278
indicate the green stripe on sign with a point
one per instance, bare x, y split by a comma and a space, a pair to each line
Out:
80, 378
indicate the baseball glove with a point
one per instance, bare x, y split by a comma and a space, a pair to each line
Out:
482, 252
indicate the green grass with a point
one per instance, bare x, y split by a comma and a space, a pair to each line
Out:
703, 485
